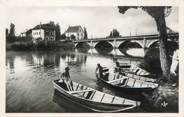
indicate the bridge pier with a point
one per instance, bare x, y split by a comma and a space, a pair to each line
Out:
92, 44
115, 44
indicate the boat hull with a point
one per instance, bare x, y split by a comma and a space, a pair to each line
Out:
125, 88
91, 105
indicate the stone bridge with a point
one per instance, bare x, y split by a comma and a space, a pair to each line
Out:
145, 41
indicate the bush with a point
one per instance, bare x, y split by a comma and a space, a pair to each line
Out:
42, 45
19, 46
152, 61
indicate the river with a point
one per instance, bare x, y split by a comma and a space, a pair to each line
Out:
29, 77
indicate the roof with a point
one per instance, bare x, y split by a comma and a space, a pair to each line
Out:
73, 29
47, 26
29, 31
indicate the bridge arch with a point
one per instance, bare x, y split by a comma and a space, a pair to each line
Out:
140, 42
124, 43
81, 44
103, 43
152, 43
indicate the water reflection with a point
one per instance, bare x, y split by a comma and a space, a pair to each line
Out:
112, 52
46, 59
30, 74
132, 52
10, 64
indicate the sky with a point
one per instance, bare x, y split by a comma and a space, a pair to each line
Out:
99, 21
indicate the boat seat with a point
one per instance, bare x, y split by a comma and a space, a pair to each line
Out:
123, 83
80, 91
137, 71
89, 94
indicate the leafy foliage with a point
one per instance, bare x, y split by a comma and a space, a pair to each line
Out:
85, 33
114, 33
73, 37
155, 12
63, 36
58, 32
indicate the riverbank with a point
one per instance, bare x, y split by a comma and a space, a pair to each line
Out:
165, 97
29, 45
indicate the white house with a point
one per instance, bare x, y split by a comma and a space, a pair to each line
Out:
38, 34
44, 32
74, 33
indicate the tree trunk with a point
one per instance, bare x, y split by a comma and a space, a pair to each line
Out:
164, 57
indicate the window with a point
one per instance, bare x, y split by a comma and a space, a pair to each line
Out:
52, 33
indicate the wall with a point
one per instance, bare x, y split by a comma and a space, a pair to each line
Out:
50, 35
37, 33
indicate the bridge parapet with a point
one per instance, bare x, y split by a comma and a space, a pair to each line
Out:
140, 37
145, 41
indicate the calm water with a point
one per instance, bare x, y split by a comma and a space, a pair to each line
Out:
29, 77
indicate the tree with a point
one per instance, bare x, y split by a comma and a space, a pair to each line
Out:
158, 14
12, 30
114, 33
85, 33
11, 35
63, 36
7, 31
110, 34
73, 37
58, 32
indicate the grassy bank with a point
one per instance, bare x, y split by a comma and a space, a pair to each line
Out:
29, 45
165, 97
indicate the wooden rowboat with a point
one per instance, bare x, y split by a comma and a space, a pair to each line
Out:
128, 84
135, 70
143, 78
92, 99
130, 75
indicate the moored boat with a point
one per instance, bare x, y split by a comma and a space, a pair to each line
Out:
135, 70
143, 78
92, 99
131, 75
125, 83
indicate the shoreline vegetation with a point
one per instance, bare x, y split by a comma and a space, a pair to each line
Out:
39, 46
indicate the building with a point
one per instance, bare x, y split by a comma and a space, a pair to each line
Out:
44, 32
29, 33
74, 33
